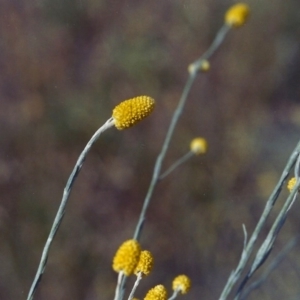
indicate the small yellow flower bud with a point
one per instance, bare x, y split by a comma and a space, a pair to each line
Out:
237, 15
291, 184
127, 257
181, 283
159, 292
145, 263
204, 66
130, 112
198, 145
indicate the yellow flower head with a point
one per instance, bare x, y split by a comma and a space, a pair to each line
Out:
198, 145
237, 15
145, 263
159, 292
291, 184
181, 283
130, 112
127, 257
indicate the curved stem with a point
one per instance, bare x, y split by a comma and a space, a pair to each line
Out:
61, 210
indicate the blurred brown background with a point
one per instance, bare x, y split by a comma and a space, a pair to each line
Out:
64, 65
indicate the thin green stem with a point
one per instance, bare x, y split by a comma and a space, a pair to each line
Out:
247, 251
61, 210
176, 164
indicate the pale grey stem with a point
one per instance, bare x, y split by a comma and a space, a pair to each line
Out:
178, 111
61, 210
138, 279
235, 275
267, 245
275, 263
177, 164
245, 236
213, 47
119, 284
174, 295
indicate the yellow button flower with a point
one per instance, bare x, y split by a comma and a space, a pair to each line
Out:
291, 184
198, 145
237, 15
159, 292
181, 283
130, 112
145, 263
127, 257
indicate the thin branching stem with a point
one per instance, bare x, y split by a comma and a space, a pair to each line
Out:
178, 111
176, 164
267, 245
273, 265
61, 210
235, 275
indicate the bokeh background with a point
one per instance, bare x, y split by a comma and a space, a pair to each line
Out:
64, 65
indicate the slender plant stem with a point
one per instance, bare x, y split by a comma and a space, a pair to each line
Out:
180, 161
269, 241
235, 275
174, 295
178, 111
274, 264
162, 154
61, 210
138, 279
213, 47
119, 284
193, 70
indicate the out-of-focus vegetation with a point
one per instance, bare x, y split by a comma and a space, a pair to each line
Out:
63, 67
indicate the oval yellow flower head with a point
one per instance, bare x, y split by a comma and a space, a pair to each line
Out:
181, 283
159, 292
130, 112
291, 184
237, 15
145, 263
127, 257
198, 145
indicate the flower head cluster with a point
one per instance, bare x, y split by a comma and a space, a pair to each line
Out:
130, 112
159, 292
145, 263
127, 257
291, 184
198, 145
237, 15
181, 283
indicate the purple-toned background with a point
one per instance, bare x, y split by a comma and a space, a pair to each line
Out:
64, 65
